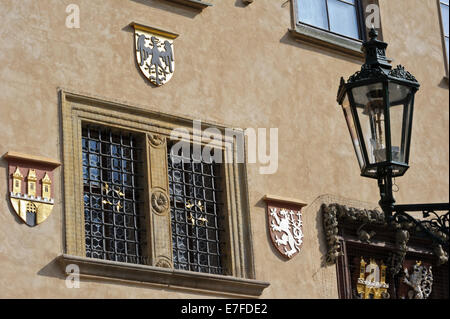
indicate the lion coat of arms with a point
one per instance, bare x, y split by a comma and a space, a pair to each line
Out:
154, 53
285, 227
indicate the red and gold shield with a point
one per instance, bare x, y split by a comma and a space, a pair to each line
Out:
31, 186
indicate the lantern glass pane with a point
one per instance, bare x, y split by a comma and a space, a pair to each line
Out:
370, 106
352, 129
400, 111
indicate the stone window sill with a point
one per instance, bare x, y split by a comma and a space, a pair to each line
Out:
197, 4
170, 278
327, 39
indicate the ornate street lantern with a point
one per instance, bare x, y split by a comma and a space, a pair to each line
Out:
378, 104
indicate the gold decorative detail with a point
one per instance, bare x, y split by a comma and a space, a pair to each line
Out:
372, 280
160, 202
17, 181
31, 179
202, 220
46, 186
107, 192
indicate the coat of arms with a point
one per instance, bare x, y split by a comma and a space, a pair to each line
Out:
420, 281
371, 283
31, 190
154, 53
285, 227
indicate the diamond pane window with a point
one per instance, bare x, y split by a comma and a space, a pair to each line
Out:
196, 213
111, 192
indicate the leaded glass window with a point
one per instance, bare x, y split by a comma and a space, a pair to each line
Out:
112, 195
196, 213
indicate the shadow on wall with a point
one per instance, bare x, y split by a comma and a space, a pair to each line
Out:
54, 270
4, 166
171, 7
315, 207
262, 204
317, 49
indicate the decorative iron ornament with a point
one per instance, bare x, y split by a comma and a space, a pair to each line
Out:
154, 53
400, 73
437, 227
114, 221
197, 220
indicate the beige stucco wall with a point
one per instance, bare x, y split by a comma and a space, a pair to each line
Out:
237, 66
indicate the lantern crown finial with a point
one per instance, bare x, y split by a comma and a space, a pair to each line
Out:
373, 33
375, 51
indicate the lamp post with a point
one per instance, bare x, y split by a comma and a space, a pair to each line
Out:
378, 105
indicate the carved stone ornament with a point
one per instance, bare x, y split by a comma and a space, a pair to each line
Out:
154, 53
163, 263
31, 189
420, 281
156, 140
160, 202
332, 213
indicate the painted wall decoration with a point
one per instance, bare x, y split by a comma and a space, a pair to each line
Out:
285, 225
31, 186
154, 53
372, 280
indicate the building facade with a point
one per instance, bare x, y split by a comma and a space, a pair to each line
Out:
97, 95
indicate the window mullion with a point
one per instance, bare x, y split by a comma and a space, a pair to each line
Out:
160, 232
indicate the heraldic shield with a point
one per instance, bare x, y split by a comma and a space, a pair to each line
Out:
154, 53
31, 188
285, 226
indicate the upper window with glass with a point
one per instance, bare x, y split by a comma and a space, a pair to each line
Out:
342, 17
444, 14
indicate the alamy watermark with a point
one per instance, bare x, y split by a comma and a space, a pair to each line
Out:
73, 18
226, 146
73, 276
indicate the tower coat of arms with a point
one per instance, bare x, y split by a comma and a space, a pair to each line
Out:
31, 189
154, 53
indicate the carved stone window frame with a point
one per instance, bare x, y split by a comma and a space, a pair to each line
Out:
196, 4
328, 39
349, 228
157, 126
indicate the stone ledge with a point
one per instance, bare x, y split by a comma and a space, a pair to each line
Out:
327, 39
197, 4
170, 278
284, 200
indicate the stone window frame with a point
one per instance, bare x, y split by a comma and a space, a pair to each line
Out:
77, 108
328, 39
441, 26
196, 4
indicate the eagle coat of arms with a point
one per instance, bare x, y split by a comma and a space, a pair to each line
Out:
154, 53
